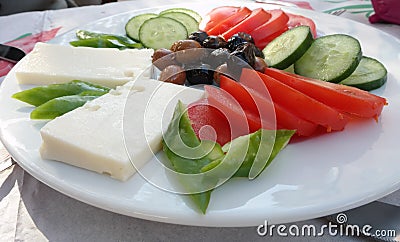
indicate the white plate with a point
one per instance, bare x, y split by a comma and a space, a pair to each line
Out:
308, 179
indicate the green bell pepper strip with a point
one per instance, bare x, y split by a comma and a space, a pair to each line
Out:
180, 124
259, 154
245, 156
95, 43
61, 105
87, 35
264, 145
39, 95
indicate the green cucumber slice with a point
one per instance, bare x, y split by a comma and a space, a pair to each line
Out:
369, 74
330, 58
133, 25
190, 23
191, 12
161, 32
287, 48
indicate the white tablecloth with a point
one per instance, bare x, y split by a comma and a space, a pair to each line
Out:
31, 211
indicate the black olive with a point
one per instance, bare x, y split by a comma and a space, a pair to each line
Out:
243, 57
199, 74
246, 52
238, 39
214, 42
258, 52
246, 37
198, 36
217, 57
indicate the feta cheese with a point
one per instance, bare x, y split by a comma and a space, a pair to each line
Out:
125, 125
50, 63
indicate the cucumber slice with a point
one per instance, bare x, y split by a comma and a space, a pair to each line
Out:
330, 58
190, 23
191, 12
161, 32
133, 25
287, 48
369, 74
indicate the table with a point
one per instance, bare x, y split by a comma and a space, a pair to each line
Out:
29, 210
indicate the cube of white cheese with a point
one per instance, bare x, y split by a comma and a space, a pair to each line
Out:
131, 118
50, 63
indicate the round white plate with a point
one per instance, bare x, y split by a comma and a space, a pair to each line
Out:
308, 179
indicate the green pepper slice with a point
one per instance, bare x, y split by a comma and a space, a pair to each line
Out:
245, 156
101, 40
39, 95
61, 105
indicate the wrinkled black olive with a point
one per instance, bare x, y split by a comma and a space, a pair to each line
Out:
214, 42
217, 57
243, 57
246, 52
258, 52
246, 37
199, 74
198, 36
238, 39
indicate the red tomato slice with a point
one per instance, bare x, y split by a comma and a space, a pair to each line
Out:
230, 21
343, 98
297, 102
202, 114
248, 103
256, 17
240, 123
216, 16
297, 20
284, 118
262, 43
276, 23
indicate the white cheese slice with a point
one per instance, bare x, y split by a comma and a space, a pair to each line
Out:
50, 63
131, 118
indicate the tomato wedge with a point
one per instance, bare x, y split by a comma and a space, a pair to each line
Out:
297, 102
229, 21
284, 119
297, 20
256, 17
240, 123
276, 23
201, 114
266, 116
217, 15
343, 98
262, 43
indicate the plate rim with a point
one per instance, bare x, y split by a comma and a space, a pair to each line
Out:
94, 202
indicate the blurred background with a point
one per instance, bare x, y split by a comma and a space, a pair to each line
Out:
16, 6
